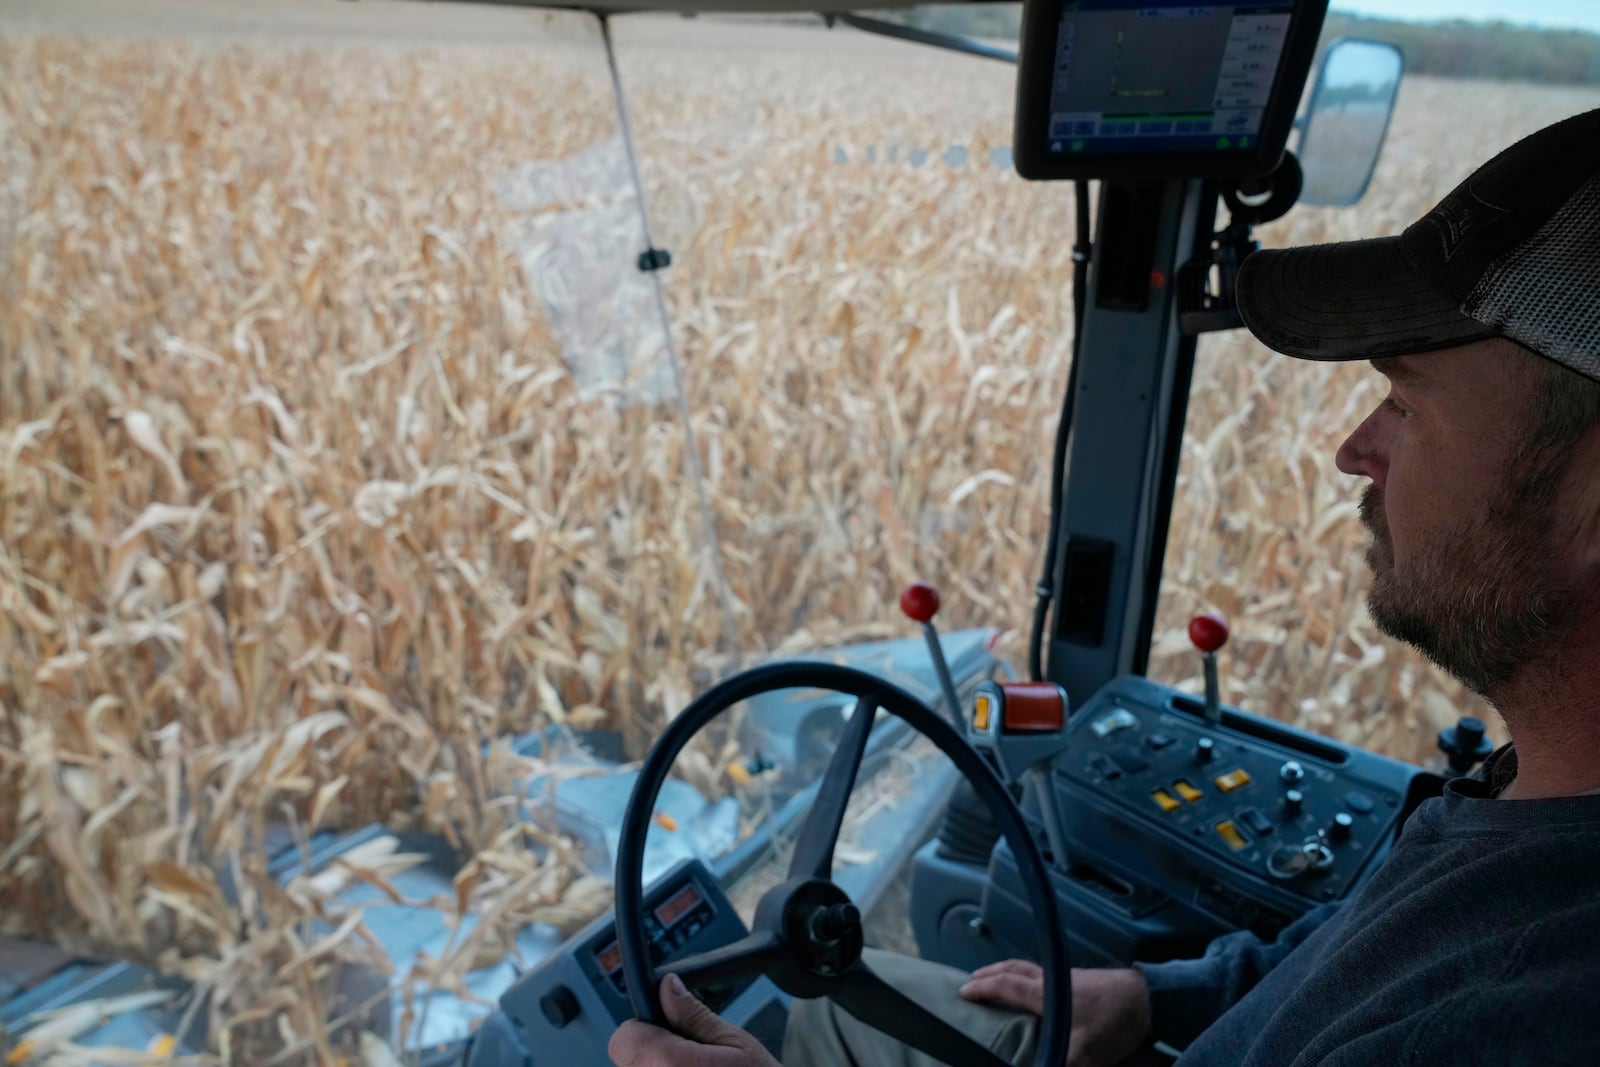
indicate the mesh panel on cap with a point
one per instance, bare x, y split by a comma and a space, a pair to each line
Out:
1546, 292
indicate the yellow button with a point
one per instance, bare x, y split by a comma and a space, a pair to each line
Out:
1187, 791
1167, 801
1230, 833
980, 713
1233, 780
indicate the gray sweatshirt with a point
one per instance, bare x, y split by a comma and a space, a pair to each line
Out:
1476, 942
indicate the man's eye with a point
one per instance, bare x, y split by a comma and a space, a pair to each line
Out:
1395, 406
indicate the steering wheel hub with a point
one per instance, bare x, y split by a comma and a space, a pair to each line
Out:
822, 928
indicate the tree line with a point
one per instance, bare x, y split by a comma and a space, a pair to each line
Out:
1455, 48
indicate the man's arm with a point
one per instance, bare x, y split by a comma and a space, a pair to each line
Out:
1187, 996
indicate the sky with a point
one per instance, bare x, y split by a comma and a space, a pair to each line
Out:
1560, 14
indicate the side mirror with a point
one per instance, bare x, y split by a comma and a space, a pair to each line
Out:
1347, 119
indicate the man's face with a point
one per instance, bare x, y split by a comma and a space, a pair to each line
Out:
1463, 521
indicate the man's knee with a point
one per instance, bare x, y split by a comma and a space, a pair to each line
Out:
812, 1038
822, 1034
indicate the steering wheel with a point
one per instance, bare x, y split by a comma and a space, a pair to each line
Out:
806, 935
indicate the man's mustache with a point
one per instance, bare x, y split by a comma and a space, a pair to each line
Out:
1372, 514
1379, 554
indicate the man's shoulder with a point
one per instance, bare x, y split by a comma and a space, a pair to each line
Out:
1541, 1012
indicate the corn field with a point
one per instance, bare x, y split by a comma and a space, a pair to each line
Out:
340, 440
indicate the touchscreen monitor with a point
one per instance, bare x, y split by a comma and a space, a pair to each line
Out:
1159, 89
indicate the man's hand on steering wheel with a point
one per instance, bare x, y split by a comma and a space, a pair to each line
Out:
707, 1040
1111, 1020
1110, 1008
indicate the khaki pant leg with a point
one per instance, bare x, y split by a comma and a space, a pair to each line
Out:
822, 1034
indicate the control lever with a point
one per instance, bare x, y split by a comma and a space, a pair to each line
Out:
1209, 632
1021, 728
1465, 744
920, 602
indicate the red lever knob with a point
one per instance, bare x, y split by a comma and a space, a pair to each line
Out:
920, 602
1209, 632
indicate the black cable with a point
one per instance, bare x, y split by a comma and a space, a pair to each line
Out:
1082, 251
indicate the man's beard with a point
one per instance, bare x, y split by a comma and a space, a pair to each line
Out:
1481, 600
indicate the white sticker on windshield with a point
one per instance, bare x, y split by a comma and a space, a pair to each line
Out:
577, 233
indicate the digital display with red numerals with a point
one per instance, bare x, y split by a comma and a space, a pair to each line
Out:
609, 958
678, 906
672, 926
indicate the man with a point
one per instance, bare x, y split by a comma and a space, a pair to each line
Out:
1478, 940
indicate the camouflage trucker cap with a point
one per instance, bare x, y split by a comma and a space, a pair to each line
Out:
1513, 251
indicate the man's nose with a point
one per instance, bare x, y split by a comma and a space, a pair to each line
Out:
1362, 453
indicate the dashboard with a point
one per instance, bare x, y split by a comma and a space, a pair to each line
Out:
565, 1011
1179, 826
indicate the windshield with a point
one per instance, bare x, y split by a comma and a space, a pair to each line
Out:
367, 509
380, 473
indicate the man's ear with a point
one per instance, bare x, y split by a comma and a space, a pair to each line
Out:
1581, 505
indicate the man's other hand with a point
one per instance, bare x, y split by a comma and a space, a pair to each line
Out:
707, 1039
1110, 1008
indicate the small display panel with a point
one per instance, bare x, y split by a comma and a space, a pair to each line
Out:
679, 906
1160, 87
671, 926
609, 958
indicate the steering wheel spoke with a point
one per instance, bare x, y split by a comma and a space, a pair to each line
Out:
745, 958
813, 851
872, 1000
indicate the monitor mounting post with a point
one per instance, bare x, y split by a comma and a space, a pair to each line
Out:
1132, 380
1169, 105
1251, 202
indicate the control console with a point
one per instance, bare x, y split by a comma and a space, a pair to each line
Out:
1170, 819
1179, 824
565, 1011
1298, 814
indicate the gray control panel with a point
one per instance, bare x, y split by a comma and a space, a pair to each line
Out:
1288, 808
565, 1011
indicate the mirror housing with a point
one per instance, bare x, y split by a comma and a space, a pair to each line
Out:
1352, 101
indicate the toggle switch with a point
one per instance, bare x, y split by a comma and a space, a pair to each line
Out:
1186, 791
1256, 821
1108, 724
1233, 780
1168, 802
1230, 833
982, 707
